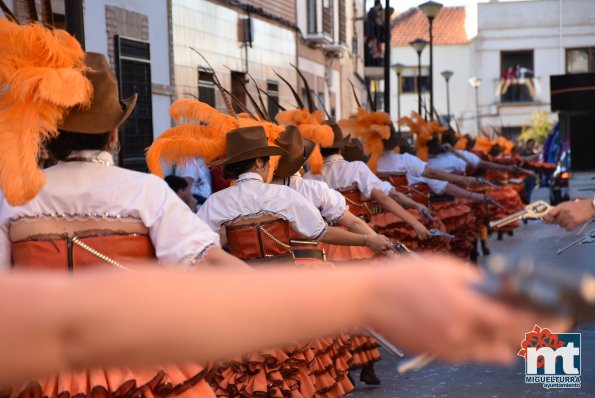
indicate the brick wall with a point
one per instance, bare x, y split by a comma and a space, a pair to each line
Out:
119, 21
283, 8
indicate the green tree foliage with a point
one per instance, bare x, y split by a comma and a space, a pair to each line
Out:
538, 129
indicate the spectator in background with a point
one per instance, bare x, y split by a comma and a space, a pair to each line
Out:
506, 81
197, 174
181, 187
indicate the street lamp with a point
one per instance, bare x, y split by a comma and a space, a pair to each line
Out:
398, 68
476, 82
447, 74
430, 10
418, 45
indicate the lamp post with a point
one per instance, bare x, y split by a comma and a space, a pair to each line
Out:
418, 45
430, 10
387, 36
476, 82
447, 74
398, 68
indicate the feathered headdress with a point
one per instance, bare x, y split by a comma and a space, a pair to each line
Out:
372, 128
202, 131
41, 78
482, 144
424, 131
310, 123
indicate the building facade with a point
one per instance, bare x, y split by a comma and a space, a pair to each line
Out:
133, 34
543, 37
330, 51
453, 51
239, 40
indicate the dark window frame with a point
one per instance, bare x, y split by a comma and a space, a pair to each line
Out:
425, 79
273, 98
136, 134
528, 50
206, 86
312, 16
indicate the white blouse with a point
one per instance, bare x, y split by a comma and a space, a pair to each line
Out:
471, 158
251, 197
330, 203
340, 174
96, 189
448, 162
414, 168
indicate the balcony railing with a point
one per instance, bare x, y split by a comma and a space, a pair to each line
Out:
517, 90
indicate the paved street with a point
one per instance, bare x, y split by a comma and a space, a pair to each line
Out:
439, 380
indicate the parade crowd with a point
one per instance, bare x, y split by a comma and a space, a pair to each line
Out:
271, 286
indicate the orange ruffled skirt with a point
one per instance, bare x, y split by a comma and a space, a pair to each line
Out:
458, 220
363, 349
186, 381
316, 369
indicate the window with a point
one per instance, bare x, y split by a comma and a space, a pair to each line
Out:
133, 67
342, 23
409, 84
206, 87
237, 80
510, 59
580, 60
327, 17
312, 25
273, 98
516, 77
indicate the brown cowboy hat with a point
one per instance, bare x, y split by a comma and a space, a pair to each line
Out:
298, 150
338, 140
106, 112
247, 143
354, 151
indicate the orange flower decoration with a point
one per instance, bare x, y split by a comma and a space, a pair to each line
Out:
540, 338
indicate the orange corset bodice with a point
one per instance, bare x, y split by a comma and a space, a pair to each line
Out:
274, 239
357, 206
73, 253
398, 180
419, 192
60, 244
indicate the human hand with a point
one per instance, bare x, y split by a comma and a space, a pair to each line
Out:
450, 319
379, 243
424, 211
466, 182
570, 215
422, 232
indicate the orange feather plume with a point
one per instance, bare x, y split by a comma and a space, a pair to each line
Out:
315, 161
187, 111
179, 144
482, 144
321, 134
423, 130
461, 143
41, 77
372, 128
299, 116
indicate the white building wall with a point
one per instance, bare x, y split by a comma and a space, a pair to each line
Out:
457, 58
96, 40
548, 27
